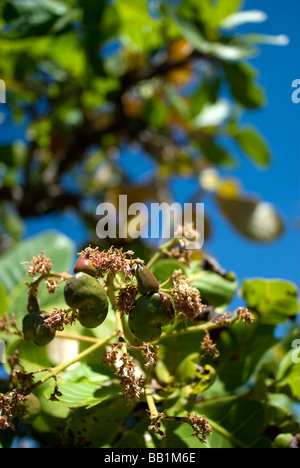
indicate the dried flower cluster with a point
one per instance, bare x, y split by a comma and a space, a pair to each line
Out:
209, 347
61, 317
187, 235
24, 380
202, 428
126, 299
223, 318
155, 426
52, 285
10, 408
149, 351
181, 254
9, 325
132, 383
112, 261
39, 265
186, 298
244, 315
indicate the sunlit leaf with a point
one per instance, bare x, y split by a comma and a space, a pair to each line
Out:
242, 17
279, 40
3, 301
275, 300
253, 145
253, 219
212, 115
215, 289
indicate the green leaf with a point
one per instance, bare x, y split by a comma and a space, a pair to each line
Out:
98, 426
163, 269
243, 17
241, 78
274, 300
138, 29
222, 50
225, 8
212, 115
215, 154
279, 40
215, 290
88, 394
241, 349
254, 219
100, 23
3, 301
136, 437
242, 422
209, 14
196, 379
13, 274
253, 145
32, 18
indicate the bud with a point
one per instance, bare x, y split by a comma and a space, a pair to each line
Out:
146, 281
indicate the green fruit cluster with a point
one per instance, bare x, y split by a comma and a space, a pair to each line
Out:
36, 330
84, 293
153, 309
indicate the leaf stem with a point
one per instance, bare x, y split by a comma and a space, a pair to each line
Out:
118, 318
150, 400
198, 328
70, 336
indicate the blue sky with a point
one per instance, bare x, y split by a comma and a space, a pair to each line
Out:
279, 123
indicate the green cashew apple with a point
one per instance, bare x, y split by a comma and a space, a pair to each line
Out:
36, 330
149, 315
85, 293
146, 281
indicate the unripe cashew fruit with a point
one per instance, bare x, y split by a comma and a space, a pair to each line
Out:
85, 293
85, 265
35, 328
146, 281
149, 315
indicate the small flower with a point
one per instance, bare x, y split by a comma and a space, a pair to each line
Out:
188, 236
132, 384
209, 347
10, 408
126, 299
155, 427
52, 285
186, 298
39, 265
181, 254
202, 428
244, 315
61, 317
149, 351
112, 261
223, 318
